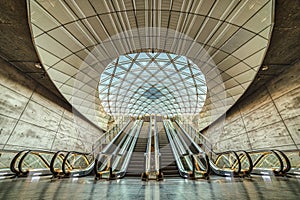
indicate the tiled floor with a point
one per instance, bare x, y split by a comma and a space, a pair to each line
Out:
215, 188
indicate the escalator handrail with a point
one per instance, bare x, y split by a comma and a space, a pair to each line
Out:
121, 148
65, 161
287, 160
156, 148
52, 163
96, 165
196, 136
104, 135
203, 136
181, 139
181, 146
127, 144
20, 164
208, 167
148, 149
127, 159
213, 166
262, 157
179, 164
14, 160
109, 145
192, 155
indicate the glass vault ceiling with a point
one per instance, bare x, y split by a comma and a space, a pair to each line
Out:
152, 83
77, 39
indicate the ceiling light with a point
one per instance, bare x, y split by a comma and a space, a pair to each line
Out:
264, 68
38, 65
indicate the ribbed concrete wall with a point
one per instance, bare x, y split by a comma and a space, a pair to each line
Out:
31, 117
269, 118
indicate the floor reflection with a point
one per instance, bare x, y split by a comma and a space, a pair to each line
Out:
86, 188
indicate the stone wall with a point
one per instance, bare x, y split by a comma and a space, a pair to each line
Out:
32, 117
268, 118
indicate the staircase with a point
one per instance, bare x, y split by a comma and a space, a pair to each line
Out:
168, 163
136, 164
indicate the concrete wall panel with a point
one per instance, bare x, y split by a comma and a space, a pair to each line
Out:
268, 136
238, 142
262, 116
31, 136
286, 82
15, 81
39, 115
7, 125
270, 117
293, 125
31, 117
288, 104
12, 104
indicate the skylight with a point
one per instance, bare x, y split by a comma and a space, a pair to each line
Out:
152, 83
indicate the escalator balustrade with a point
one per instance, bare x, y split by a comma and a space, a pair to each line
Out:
294, 158
113, 164
32, 162
136, 165
270, 162
6, 156
200, 162
178, 154
168, 163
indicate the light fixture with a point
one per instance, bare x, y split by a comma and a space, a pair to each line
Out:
38, 65
265, 67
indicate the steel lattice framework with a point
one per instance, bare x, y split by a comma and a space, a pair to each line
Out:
152, 83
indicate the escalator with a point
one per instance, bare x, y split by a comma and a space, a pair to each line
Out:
191, 165
113, 162
223, 166
190, 145
129, 146
241, 163
82, 164
112, 146
136, 164
168, 163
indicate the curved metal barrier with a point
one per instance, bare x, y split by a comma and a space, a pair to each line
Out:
32, 162
112, 163
56, 163
294, 158
216, 167
5, 159
73, 163
272, 162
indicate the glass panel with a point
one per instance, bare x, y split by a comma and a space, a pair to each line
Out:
146, 83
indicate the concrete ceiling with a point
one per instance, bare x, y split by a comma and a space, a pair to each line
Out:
284, 47
16, 44
17, 48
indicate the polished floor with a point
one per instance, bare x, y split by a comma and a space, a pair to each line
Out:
216, 188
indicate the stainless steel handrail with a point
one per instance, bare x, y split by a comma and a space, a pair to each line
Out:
148, 150
216, 169
181, 169
156, 149
181, 146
